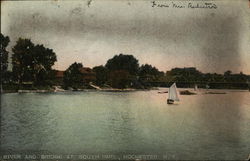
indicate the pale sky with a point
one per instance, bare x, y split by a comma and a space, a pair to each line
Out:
212, 40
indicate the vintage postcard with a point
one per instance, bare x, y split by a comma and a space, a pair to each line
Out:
125, 80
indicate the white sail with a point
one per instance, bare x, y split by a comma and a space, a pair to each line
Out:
196, 88
173, 94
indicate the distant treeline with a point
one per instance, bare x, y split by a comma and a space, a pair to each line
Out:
188, 77
32, 64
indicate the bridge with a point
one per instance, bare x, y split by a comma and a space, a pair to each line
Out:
214, 85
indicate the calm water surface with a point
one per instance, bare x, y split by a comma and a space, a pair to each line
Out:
198, 127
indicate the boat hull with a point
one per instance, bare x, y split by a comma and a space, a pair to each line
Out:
170, 101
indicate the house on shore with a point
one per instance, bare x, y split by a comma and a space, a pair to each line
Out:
59, 77
88, 75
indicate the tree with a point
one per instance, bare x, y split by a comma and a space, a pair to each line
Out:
228, 73
5, 75
22, 60
190, 74
228, 76
123, 62
32, 62
101, 75
4, 53
149, 72
120, 79
73, 76
44, 59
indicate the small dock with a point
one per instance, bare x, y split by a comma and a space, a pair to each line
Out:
95, 87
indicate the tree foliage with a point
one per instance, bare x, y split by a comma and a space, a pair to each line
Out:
119, 65
101, 75
4, 55
73, 76
191, 75
149, 72
32, 62
123, 62
22, 60
185, 74
120, 79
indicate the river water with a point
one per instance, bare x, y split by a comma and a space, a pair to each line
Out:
203, 126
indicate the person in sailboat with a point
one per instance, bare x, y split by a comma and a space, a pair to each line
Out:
172, 94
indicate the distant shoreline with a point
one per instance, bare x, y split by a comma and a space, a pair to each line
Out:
106, 90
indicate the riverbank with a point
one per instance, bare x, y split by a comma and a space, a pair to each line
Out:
181, 90
58, 90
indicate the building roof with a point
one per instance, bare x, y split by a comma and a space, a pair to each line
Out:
59, 74
86, 70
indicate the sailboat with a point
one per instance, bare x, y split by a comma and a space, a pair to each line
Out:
207, 86
172, 94
195, 87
